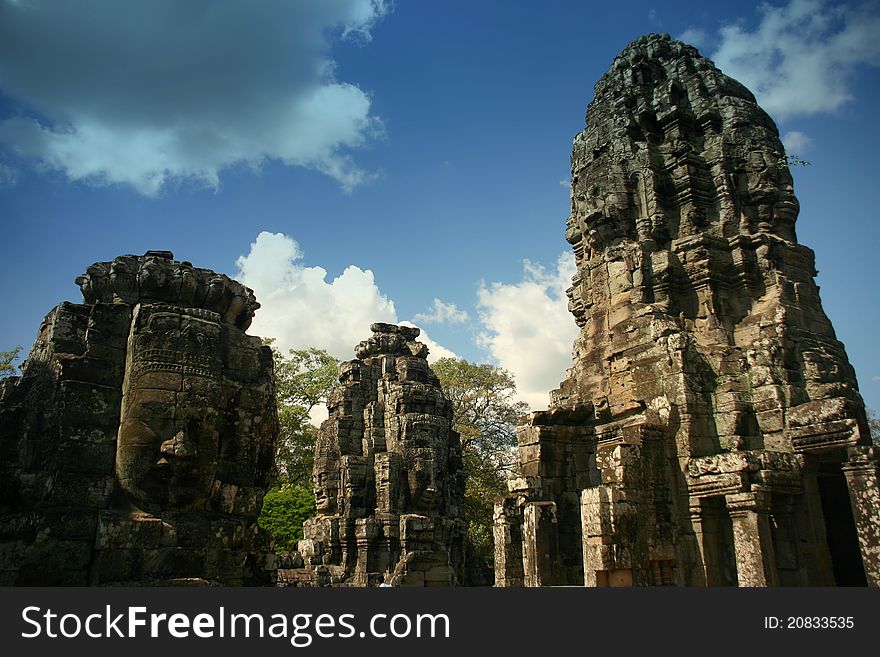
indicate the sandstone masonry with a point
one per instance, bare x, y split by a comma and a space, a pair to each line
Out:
710, 431
136, 446
388, 476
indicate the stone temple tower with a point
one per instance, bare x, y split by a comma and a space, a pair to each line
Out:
388, 476
710, 431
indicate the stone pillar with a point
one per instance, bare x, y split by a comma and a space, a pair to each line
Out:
696, 575
541, 544
364, 535
755, 561
861, 478
597, 531
507, 531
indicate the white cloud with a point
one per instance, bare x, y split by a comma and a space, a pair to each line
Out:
528, 329
300, 308
694, 36
149, 93
801, 57
441, 312
796, 142
435, 351
8, 175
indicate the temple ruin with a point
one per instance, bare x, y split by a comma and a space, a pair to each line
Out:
136, 445
388, 476
710, 431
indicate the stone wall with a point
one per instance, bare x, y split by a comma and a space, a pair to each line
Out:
137, 443
710, 430
388, 477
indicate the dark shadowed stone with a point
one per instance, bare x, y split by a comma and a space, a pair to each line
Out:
136, 446
388, 477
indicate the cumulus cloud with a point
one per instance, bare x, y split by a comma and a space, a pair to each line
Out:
528, 329
801, 57
694, 36
436, 351
441, 312
149, 92
300, 308
796, 142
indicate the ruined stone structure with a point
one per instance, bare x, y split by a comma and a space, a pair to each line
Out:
137, 444
388, 476
710, 431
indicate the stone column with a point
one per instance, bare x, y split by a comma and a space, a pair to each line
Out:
597, 528
507, 531
697, 574
752, 541
362, 532
540, 544
861, 478
786, 544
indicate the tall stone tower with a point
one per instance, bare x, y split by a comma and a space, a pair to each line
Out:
137, 444
710, 431
388, 475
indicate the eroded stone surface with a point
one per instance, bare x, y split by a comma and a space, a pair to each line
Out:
137, 443
709, 416
388, 476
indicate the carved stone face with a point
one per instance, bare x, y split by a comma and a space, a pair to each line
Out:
326, 489
424, 446
169, 433
785, 212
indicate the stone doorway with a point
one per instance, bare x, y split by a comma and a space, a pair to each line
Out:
840, 530
719, 553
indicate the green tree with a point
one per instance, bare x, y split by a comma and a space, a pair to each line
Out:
7, 361
795, 161
874, 426
284, 511
485, 413
303, 379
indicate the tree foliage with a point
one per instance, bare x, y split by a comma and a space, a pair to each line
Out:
7, 361
874, 426
795, 161
284, 511
303, 379
485, 413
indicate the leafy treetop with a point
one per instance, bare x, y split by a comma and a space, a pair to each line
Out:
7, 361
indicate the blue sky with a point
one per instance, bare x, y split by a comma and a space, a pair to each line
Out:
400, 161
